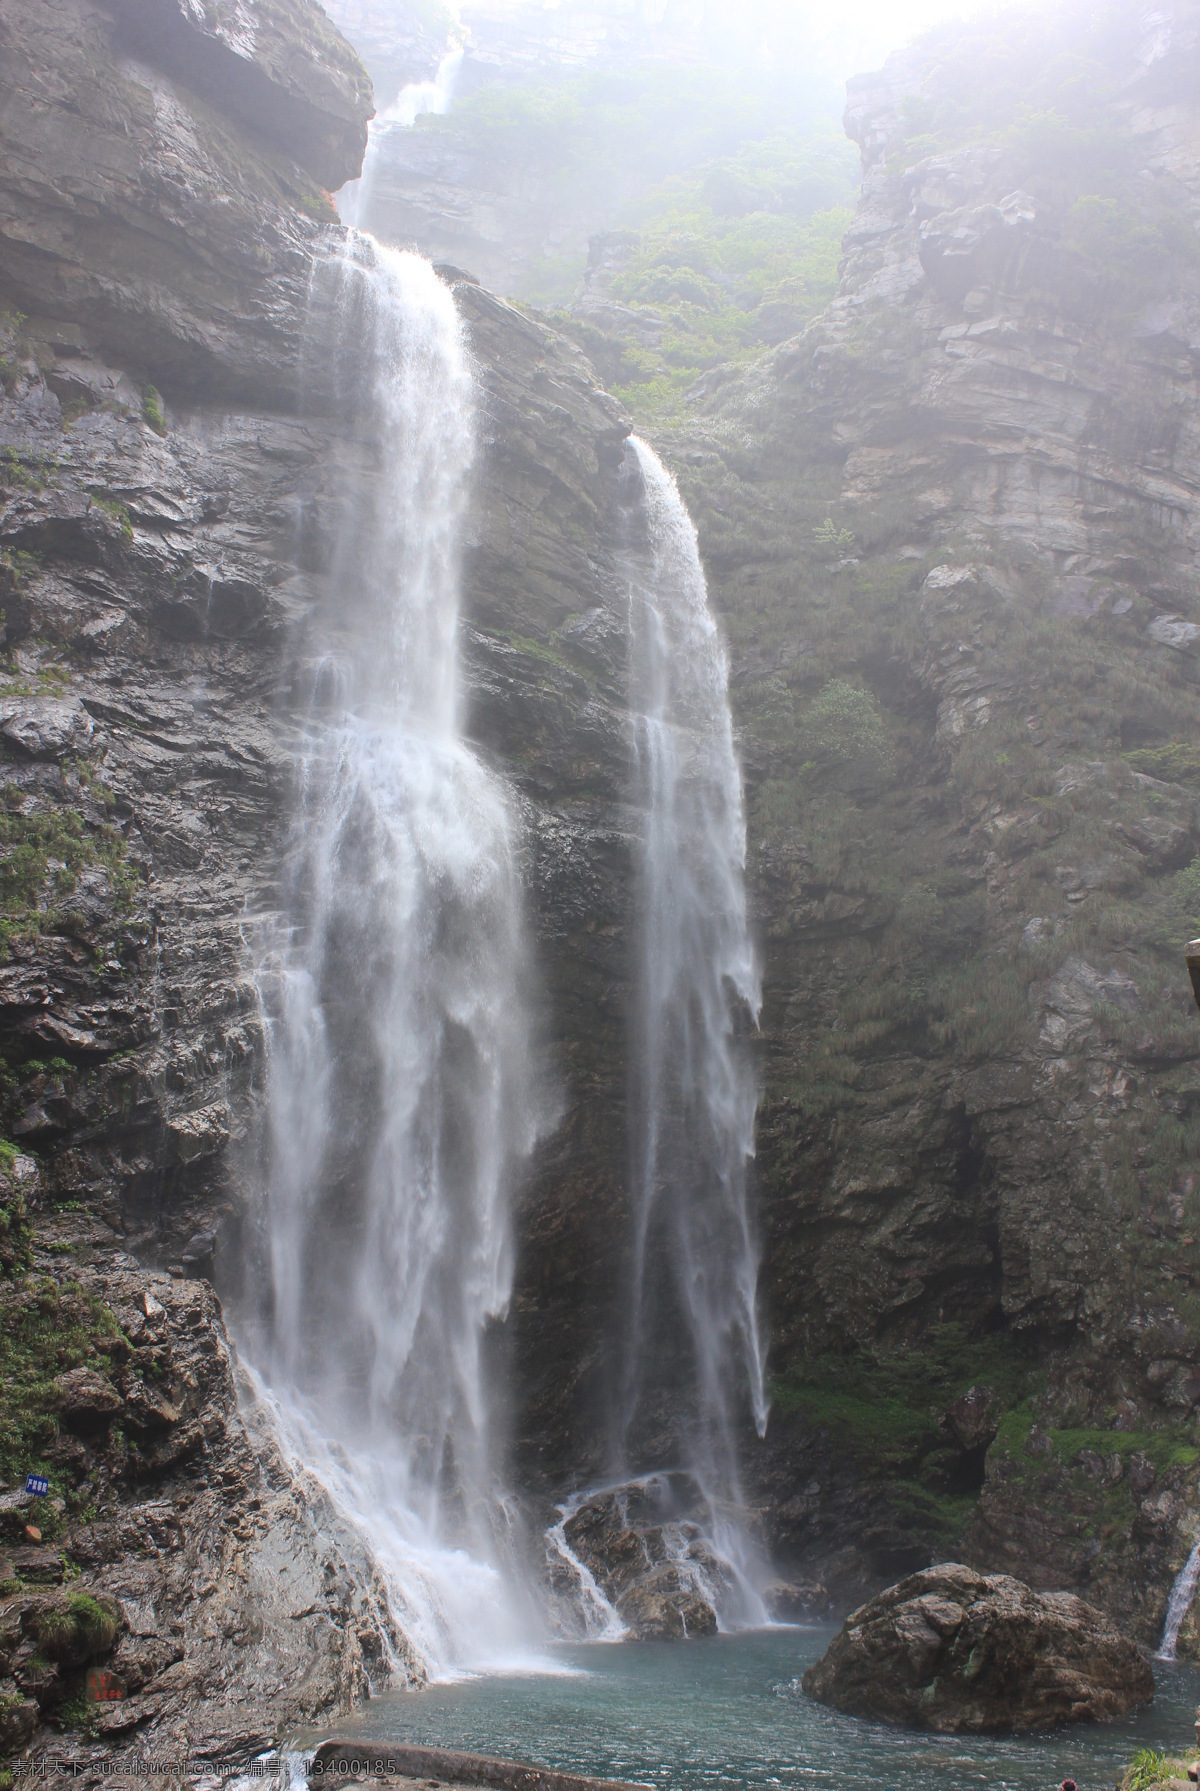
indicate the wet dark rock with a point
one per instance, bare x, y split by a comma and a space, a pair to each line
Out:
650, 1557
147, 1409
971, 1420
1142, 1474
197, 277
958, 1652
18, 1720
86, 1399
199, 1251
201, 1581
665, 1606
47, 727
935, 1165
161, 560
942, 1160
18, 1509
38, 1565
339, 1762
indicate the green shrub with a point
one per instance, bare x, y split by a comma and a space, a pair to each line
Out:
845, 723
41, 856
15, 1235
152, 410
95, 1624
113, 507
55, 1630
1176, 763
827, 535
77, 1712
983, 1010
45, 1328
1150, 1768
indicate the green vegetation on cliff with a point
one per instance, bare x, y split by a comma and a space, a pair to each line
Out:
46, 1328
1017, 1440
882, 1408
719, 264
718, 208
15, 1230
44, 848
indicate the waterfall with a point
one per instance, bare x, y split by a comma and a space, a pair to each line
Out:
599, 1619
1179, 1603
693, 1087
415, 100
398, 1108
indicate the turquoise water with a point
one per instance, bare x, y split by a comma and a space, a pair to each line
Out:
727, 1714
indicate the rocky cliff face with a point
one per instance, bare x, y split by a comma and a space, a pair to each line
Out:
172, 455
955, 531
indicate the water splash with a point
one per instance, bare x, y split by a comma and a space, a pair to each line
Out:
693, 1090
398, 1106
417, 99
580, 1592
1179, 1603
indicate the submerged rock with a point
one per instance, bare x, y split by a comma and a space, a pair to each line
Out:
667, 1606
951, 1650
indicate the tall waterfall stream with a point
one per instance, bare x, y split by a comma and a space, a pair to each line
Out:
398, 1105
698, 993
691, 1353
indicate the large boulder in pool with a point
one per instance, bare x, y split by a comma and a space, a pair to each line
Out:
953, 1650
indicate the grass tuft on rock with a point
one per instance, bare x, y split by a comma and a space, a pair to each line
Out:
1149, 1768
152, 410
43, 851
15, 1235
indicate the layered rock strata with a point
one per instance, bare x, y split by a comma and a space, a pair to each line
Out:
954, 529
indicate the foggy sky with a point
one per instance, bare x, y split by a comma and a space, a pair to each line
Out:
833, 40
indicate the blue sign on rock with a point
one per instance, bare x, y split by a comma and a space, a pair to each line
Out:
37, 1483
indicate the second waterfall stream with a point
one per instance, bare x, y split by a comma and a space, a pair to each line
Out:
693, 1351
398, 1110
689, 1350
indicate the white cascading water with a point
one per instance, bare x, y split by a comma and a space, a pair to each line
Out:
598, 1619
694, 1091
398, 1108
417, 99
1179, 1603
